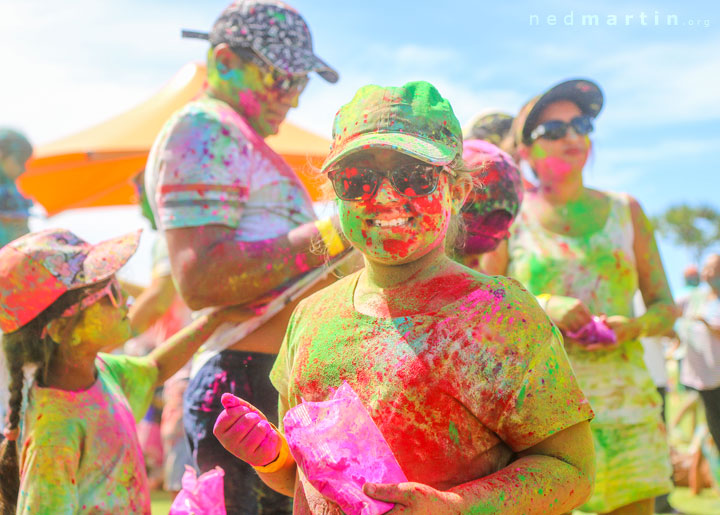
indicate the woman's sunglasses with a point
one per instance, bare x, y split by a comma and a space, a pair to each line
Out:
111, 290
358, 183
557, 129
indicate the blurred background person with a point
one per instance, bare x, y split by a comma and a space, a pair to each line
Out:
15, 150
699, 328
584, 253
490, 125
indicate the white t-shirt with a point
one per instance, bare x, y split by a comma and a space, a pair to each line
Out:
208, 166
701, 367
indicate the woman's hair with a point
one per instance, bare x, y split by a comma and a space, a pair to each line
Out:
29, 345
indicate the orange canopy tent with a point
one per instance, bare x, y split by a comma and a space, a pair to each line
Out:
94, 167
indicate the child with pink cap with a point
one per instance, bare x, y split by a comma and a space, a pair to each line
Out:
70, 442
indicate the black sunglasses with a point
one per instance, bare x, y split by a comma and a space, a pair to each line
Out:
358, 183
557, 129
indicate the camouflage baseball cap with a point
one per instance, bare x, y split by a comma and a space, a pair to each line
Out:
491, 125
36, 269
271, 29
413, 119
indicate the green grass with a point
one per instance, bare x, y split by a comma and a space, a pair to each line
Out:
161, 502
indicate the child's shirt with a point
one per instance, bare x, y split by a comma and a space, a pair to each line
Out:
80, 451
455, 392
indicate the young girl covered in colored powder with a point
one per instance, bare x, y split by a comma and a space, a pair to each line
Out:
77, 448
585, 252
463, 374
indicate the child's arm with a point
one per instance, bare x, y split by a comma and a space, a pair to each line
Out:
172, 355
552, 477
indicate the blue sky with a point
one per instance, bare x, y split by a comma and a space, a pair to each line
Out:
70, 65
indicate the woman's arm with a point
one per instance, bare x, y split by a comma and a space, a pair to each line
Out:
552, 477
661, 311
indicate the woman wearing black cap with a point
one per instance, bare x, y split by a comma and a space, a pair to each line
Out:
584, 253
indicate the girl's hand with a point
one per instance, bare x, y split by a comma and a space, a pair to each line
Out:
415, 498
568, 313
245, 432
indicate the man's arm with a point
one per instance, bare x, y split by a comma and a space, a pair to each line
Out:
212, 268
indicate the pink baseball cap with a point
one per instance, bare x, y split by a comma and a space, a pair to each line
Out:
36, 269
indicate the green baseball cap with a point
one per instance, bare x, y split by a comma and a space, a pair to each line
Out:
413, 119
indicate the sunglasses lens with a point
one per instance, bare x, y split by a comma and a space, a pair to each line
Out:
285, 82
554, 129
582, 125
353, 183
415, 181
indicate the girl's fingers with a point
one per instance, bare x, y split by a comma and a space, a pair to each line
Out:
269, 447
253, 443
228, 417
229, 400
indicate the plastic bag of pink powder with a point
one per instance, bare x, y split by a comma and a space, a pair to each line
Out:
339, 448
200, 495
595, 331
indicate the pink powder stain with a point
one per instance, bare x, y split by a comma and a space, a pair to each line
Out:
552, 167
248, 102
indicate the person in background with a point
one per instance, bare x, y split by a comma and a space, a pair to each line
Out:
584, 253
238, 222
15, 150
490, 125
700, 329
493, 203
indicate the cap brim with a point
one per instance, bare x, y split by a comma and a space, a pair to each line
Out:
427, 151
106, 258
586, 94
295, 60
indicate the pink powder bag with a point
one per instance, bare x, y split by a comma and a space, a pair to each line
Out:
339, 448
204, 494
595, 331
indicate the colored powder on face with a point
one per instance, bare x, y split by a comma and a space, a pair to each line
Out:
552, 168
452, 429
430, 219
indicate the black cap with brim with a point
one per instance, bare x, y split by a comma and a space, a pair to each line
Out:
585, 93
